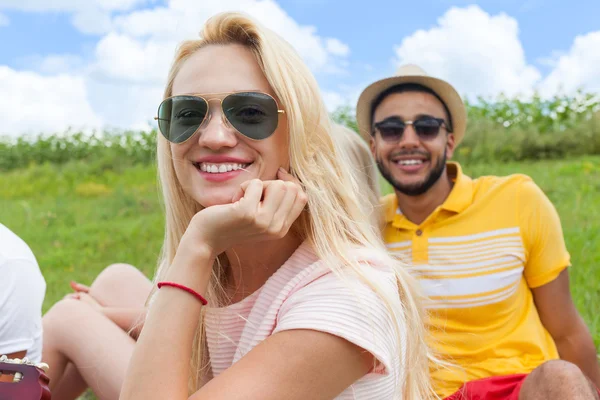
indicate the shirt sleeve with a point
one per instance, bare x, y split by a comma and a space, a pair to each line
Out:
545, 249
22, 291
348, 308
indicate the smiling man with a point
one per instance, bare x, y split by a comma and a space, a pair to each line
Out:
489, 253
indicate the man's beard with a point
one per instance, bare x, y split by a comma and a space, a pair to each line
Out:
415, 189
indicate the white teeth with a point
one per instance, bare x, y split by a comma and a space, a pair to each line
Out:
410, 162
220, 168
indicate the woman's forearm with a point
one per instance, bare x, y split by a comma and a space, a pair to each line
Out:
160, 364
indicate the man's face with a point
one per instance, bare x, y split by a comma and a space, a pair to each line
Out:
412, 164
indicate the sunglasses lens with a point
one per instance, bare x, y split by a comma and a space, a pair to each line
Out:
427, 128
252, 114
391, 132
179, 117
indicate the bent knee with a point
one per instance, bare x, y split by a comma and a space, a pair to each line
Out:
63, 314
116, 273
121, 285
558, 371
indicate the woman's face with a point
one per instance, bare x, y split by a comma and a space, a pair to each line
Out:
217, 145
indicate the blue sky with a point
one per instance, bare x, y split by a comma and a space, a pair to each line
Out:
95, 63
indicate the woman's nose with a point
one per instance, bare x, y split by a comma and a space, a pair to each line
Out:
215, 132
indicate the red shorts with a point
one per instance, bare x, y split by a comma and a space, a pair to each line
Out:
506, 387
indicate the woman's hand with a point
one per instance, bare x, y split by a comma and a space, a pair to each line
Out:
79, 287
86, 298
260, 211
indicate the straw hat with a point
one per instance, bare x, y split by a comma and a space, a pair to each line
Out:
412, 74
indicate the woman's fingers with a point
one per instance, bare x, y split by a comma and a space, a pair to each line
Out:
290, 206
272, 206
298, 206
283, 217
286, 176
253, 192
274, 194
79, 287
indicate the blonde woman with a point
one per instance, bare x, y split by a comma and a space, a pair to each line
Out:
262, 225
265, 224
274, 283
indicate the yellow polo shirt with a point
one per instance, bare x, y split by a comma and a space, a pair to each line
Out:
477, 256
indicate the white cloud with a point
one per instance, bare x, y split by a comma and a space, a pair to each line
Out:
34, 103
58, 64
184, 18
478, 53
121, 57
4, 21
92, 21
576, 69
336, 47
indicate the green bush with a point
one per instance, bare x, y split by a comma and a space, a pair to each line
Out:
106, 150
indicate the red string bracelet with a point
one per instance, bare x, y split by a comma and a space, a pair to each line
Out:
185, 288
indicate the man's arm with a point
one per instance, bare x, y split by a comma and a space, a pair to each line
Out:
570, 333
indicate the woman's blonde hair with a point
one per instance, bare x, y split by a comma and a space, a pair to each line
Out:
336, 221
362, 166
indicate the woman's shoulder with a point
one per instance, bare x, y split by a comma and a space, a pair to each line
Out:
305, 266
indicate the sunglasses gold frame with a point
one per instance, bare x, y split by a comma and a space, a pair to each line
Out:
224, 117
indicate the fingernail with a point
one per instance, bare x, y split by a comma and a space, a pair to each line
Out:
282, 170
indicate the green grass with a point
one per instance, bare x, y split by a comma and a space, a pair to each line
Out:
80, 217
78, 220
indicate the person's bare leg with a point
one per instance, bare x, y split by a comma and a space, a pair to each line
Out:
557, 380
121, 285
99, 348
118, 285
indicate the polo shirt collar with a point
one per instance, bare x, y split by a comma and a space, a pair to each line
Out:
461, 195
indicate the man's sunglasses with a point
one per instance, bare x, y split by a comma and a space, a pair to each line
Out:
253, 114
392, 129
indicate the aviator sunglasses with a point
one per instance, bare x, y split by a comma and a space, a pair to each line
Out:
253, 114
392, 129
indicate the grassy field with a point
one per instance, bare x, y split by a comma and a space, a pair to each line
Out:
79, 219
